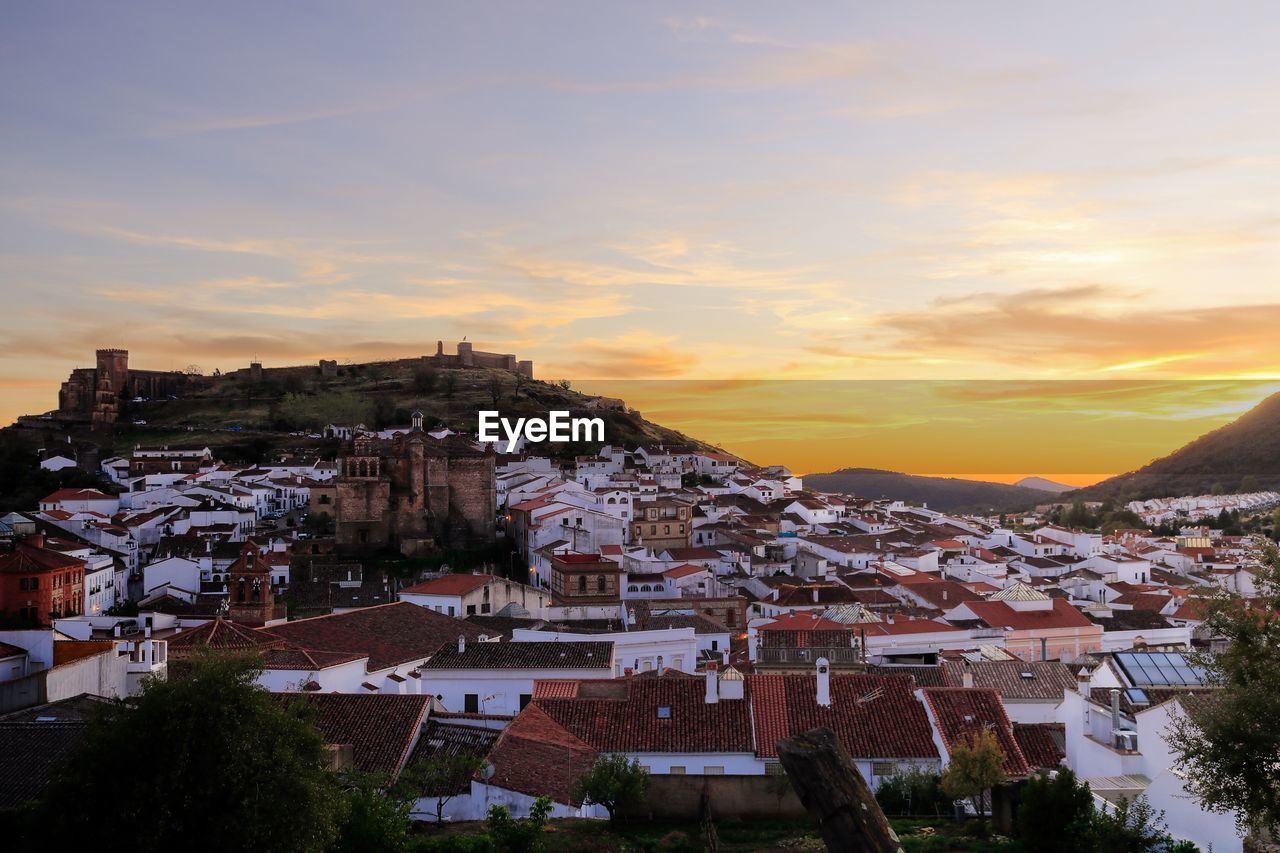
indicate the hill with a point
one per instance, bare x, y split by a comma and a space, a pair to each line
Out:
245, 417
1243, 456
946, 494
1044, 485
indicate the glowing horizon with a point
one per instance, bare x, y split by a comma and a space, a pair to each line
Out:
651, 192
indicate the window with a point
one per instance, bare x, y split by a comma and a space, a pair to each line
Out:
471, 703
451, 609
676, 770
883, 768
664, 712
600, 584
582, 583
525, 699
715, 645
471, 610
713, 770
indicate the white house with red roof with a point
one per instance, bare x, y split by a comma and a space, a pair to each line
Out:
81, 500
463, 595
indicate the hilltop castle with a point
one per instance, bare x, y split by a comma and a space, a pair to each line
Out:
98, 394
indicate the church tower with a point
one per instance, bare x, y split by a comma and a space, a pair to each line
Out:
250, 601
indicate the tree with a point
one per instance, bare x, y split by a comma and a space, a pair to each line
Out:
976, 765
209, 759
1131, 827
443, 776
1121, 518
449, 384
424, 379
1224, 741
614, 782
375, 817
518, 836
1056, 814
496, 388
912, 791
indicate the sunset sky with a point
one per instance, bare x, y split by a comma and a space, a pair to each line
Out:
648, 191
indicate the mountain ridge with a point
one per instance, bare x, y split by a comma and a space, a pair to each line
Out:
948, 494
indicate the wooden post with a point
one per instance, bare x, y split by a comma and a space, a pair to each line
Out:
831, 788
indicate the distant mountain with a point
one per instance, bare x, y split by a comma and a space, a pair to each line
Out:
1243, 456
946, 494
1044, 485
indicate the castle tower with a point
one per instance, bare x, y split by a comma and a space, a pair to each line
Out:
250, 601
114, 363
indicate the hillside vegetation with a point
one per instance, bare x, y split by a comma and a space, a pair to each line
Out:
945, 494
289, 407
1243, 456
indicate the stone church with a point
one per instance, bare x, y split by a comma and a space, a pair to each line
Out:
411, 492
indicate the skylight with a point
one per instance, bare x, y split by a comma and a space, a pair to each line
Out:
664, 712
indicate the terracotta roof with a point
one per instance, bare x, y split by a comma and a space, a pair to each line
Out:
382, 728
390, 634
875, 716
1014, 679
998, 614
538, 654
448, 585
302, 659
26, 560
1042, 744
535, 755
622, 715
451, 739
222, 635
961, 713
76, 495
806, 621
906, 626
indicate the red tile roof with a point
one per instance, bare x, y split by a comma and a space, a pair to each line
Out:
390, 634
1041, 743
999, 614
807, 621
448, 585
622, 715
222, 635
962, 713
382, 729
76, 495
535, 755
25, 560
875, 716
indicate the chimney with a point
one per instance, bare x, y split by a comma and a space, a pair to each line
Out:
1082, 683
815, 595
1115, 709
1044, 648
824, 683
713, 684
967, 678
34, 540
462, 644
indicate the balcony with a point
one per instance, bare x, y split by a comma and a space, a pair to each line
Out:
808, 656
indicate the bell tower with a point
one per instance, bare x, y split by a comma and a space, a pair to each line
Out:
250, 601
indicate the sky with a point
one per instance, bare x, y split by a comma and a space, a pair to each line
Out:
647, 191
